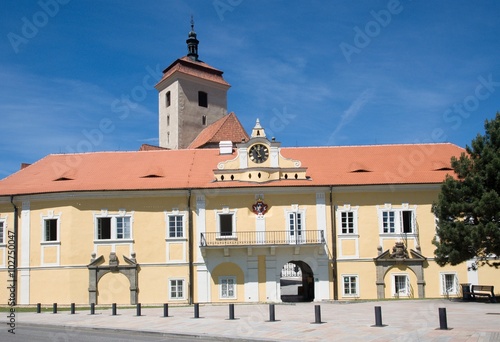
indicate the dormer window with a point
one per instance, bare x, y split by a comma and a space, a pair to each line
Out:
202, 99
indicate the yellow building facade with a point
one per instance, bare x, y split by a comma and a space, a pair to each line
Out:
250, 221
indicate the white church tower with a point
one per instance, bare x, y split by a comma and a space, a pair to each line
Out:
192, 95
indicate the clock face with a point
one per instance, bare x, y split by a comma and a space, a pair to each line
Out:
258, 153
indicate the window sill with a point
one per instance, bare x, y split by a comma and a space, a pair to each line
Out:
350, 296
50, 243
350, 235
116, 241
398, 235
176, 239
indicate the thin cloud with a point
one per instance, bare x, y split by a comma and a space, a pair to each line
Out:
349, 115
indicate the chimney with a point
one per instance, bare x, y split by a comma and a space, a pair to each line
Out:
226, 147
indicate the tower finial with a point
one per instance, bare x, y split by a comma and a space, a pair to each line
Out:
192, 43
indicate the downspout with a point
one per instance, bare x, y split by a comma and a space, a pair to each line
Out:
190, 248
334, 247
16, 225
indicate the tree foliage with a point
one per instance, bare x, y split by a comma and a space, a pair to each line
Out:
468, 207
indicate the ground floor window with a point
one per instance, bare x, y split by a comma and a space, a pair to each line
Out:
401, 285
449, 284
176, 288
227, 287
350, 285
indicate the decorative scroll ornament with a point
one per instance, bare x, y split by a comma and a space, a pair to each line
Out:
259, 208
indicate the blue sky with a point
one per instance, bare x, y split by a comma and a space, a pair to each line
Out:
77, 75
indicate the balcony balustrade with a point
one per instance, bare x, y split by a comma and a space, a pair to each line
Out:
265, 238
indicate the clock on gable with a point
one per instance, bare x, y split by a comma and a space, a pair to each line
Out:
258, 153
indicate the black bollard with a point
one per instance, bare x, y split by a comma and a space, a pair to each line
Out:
165, 310
272, 317
113, 309
378, 317
38, 308
92, 308
196, 310
54, 308
317, 314
443, 322
72, 308
138, 309
231, 311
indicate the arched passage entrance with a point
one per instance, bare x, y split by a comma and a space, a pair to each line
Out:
297, 282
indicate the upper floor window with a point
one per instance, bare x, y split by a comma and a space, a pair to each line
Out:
2, 231
204, 120
295, 224
202, 99
50, 230
398, 221
114, 228
167, 99
175, 226
226, 223
348, 217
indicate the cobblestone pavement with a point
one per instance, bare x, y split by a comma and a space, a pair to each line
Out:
404, 320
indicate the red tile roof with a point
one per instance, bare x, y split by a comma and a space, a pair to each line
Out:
148, 147
193, 168
227, 128
197, 69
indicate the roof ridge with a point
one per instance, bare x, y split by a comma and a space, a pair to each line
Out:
376, 145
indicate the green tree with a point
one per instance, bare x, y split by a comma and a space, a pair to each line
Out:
468, 207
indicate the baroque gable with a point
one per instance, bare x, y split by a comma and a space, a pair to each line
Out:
259, 160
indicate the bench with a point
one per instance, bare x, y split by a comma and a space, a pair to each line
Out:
483, 291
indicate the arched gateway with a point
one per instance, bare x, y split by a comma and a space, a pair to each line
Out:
297, 282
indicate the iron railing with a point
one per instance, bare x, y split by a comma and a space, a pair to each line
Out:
282, 237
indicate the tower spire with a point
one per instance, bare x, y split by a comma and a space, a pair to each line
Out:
192, 43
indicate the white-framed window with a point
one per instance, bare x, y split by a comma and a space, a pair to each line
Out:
449, 283
401, 285
226, 223
397, 221
176, 288
295, 225
2, 231
113, 227
350, 285
348, 220
175, 223
227, 287
50, 230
